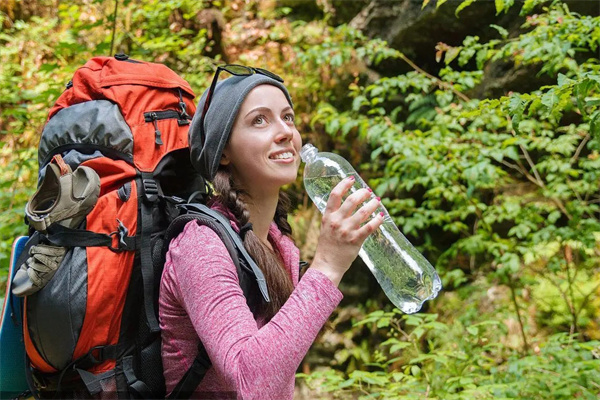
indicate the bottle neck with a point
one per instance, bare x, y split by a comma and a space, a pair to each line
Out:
308, 153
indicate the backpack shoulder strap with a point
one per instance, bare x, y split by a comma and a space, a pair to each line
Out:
244, 264
221, 226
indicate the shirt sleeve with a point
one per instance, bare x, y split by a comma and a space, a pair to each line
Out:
259, 363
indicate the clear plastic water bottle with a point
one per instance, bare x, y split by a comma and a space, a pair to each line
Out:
405, 276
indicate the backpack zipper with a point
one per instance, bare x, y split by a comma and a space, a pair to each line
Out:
154, 116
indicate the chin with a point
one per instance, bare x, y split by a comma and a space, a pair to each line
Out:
282, 180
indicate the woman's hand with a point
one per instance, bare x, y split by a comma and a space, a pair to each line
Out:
342, 230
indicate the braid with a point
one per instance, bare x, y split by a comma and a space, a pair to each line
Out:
278, 281
281, 213
230, 197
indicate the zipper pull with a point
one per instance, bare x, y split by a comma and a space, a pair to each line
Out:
157, 133
184, 116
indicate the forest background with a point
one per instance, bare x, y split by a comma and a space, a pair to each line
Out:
477, 122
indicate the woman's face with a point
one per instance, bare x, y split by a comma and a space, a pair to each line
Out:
263, 149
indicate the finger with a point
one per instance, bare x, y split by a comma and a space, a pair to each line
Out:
366, 211
370, 226
337, 194
353, 201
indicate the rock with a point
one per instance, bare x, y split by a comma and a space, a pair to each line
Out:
415, 31
340, 11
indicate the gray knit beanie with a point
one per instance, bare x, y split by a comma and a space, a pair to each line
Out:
227, 98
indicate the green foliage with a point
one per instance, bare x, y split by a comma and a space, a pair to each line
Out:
500, 193
31, 78
553, 39
164, 31
502, 177
425, 358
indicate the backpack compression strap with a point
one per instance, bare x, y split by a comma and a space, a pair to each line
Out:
243, 263
148, 195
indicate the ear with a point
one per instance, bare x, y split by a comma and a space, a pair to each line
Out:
225, 158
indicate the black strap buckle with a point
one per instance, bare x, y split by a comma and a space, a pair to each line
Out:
40, 382
150, 190
125, 242
174, 200
96, 354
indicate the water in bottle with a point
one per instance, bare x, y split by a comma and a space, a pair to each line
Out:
406, 277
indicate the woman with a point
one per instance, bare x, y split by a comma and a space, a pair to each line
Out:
243, 139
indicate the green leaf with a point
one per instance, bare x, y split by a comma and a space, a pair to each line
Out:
415, 370
581, 91
347, 127
451, 54
383, 323
499, 6
333, 126
418, 332
358, 102
595, 124
346, 383
563, 80
503, 32
439, 3
516, 107
399, 346
550, 99
528, 5
473, 330
592, 101
463, 5
554, 216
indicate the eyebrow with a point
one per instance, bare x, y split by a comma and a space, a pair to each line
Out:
262, 108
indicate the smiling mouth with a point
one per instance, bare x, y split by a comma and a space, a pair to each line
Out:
282, 156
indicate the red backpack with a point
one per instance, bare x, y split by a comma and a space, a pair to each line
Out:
93, 328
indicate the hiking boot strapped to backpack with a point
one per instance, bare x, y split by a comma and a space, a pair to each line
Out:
91, 324
64, 197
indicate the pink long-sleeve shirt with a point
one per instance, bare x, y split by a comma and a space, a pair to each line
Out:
200, 298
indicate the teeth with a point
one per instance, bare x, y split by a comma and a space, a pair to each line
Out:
283, 155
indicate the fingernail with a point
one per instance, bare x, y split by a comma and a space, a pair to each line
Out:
381, 214
370, 190
351, 177
378, 198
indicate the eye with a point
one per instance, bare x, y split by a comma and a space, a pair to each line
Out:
289, 117
259, 120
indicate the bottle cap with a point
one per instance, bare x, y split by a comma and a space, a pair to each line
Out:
308, 152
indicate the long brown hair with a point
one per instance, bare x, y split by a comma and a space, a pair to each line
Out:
277, 278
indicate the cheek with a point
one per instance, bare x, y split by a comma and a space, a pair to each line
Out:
248, 157
297, 141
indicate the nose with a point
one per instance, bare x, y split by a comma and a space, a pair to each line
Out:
285, 132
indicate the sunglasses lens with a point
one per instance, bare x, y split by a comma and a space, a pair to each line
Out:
238, 70
269, 74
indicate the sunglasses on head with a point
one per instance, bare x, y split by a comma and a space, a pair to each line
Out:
233, 69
